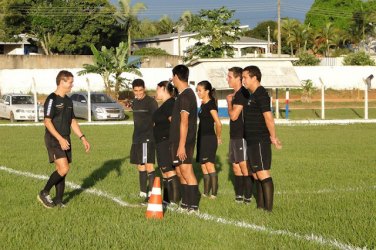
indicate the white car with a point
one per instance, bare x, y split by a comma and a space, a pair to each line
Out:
19, 107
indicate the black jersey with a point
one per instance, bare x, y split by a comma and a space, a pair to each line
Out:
237, 127
255, 129
161, 121
186, 102
206, 125
143, 111
60, 111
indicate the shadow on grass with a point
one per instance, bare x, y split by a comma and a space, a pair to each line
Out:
97, 175
356, 113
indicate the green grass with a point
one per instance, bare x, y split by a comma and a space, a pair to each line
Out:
324, 180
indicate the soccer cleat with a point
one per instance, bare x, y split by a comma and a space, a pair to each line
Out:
142, 194
247, 201
239, 199
204, 195
145, 202
213, 197
45, 199
192, 210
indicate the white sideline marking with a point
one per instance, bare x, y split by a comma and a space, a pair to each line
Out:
311, 238
72, 186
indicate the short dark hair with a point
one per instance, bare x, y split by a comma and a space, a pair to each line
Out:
253, 71
138, 83
182, 72
62, 75
237, 71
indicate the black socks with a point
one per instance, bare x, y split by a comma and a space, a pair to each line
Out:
238, 185
268, 191
214, 183
174, 189
207, 185
60, 187
248, 184
143, 181
54, 179
151, 176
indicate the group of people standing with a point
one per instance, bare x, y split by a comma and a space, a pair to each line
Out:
171, 130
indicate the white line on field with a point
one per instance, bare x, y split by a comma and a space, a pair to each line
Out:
72, 186
311, 238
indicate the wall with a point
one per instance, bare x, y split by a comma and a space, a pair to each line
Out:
337, 77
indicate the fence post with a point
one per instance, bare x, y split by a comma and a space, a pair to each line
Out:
36, 111
322, 99
287, 103
367, 86
88, 100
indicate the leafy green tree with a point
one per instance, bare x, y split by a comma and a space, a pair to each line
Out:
358, 59
327, 37
216, 27
64, 27
127, 16
306, 59
261, 30
165, 25
110, 63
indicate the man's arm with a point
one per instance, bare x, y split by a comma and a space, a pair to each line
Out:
183, 135
76, 129
233, 110
64, 144
269, 120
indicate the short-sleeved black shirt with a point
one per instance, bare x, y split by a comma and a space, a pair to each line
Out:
186, 102
60, 111
206, 125
237, 127
254, 123
143, 111
161, 121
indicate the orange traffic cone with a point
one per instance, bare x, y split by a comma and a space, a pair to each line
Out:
155, 209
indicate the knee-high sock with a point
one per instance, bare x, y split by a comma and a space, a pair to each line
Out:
214, 183
174, 191
193, 196
60, 187
166, 196
268, 190
151, 176
143, 178
247, 184
260, 195
206, 184
184, 194
54, 179
238, 185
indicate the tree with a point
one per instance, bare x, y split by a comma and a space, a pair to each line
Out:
111, 63
261, 30
215, 30
64, 27
127, 16
327, 37
358, 59
288, 28
165, 25
306, 59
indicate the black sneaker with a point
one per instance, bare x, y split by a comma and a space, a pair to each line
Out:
247, 201
239, 199
45, 199
145, 201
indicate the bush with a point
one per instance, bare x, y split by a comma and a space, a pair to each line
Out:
307, 90
306, 59
358, 58
151, 52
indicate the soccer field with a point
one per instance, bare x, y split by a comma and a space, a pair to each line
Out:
325, 184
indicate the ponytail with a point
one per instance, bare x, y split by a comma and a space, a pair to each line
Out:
171, 89
207, 86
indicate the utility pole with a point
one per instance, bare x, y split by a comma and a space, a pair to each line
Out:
279, 27
268, 53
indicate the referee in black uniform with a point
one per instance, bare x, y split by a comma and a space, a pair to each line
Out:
59, 119
143, 148
183, 137
238, 146
260, 134
162, 119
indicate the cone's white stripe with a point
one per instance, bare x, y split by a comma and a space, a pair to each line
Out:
155, 207
156, 191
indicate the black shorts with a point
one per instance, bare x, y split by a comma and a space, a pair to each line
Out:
142, 153
206, 149
164, 156
259, 156
189, 148
54, 149
237, 151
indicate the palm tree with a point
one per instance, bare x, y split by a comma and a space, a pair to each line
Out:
326, 37
288, 28
127, 16
112, 63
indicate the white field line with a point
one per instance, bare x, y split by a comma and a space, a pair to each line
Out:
311, 238
72, 186
223, 120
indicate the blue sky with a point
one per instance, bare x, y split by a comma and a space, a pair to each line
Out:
249, 12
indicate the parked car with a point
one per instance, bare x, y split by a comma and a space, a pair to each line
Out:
103, 107
17, 107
